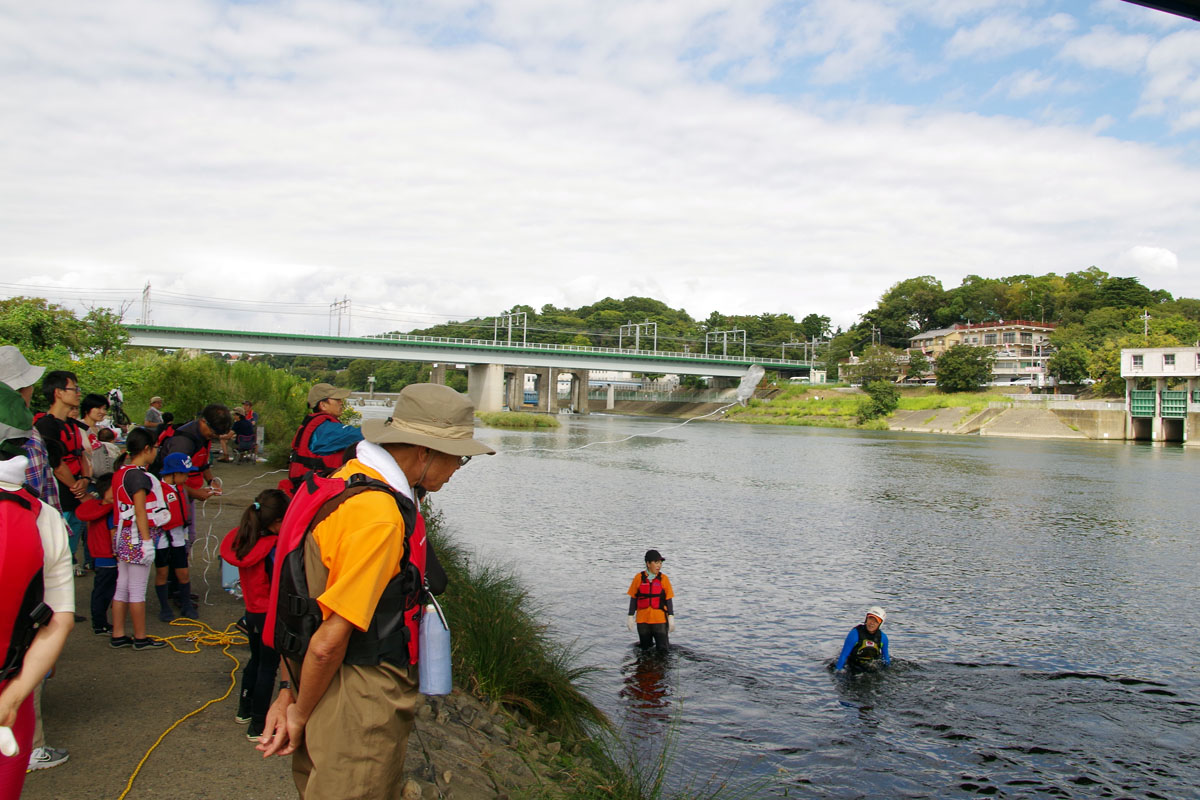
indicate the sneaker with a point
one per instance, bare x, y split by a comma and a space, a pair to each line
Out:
252, 734
166, 615
46, 757
242, 719
79, 618
103, 630
242, 625
120, 641
147, 643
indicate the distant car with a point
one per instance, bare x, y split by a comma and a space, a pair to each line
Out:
1022, 382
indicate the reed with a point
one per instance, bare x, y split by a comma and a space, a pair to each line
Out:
517, 420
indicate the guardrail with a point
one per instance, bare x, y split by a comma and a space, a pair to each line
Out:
576, 348
665, 397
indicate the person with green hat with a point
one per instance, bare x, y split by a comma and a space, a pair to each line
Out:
34, 621
346, 597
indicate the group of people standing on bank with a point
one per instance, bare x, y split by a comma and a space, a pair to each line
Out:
335, 567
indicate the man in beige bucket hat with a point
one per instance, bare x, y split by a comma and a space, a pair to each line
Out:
321, 439
348, 723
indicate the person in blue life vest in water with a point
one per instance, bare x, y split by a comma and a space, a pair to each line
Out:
652, 605
866, 645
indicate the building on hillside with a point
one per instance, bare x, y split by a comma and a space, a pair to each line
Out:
1022, 347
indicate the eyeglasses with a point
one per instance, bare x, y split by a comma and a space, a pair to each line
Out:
462, 460
74, 389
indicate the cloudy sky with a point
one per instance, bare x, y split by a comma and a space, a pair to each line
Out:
451, 158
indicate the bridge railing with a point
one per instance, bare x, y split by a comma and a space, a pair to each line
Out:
577, 348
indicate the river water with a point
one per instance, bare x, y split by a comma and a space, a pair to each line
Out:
1041, 600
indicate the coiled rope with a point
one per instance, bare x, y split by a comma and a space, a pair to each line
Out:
201, 635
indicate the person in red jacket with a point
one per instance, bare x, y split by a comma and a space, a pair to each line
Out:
251, 548
97, 511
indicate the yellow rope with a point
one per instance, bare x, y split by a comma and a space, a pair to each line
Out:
202, 635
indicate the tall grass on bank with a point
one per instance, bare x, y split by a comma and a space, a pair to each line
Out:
517, 419
827, 408
503, 650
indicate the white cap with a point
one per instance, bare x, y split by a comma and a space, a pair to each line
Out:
878, 613
15, 370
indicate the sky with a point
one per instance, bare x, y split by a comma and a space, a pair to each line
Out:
254, 162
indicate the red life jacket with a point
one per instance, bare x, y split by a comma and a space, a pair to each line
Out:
177, 504
166, 433
294, 615
123, 500
650, 593
21, 588
303, 458
71, 439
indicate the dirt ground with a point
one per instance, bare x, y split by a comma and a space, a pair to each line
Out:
108, 707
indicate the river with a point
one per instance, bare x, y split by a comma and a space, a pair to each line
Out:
1040, 598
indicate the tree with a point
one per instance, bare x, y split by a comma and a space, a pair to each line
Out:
878, 363
882, 399
963, 368
1070, 363
103, 332
814, 325
918, 364
32, 323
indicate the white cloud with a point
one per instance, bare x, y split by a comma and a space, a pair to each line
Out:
1146, 260
999, 36
1105, 48
303, 152
1026, 83
1173, 88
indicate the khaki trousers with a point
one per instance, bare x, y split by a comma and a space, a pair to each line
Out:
355, 740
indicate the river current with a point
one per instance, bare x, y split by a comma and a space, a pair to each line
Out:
1041, 599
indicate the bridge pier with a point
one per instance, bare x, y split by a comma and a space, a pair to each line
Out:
437, 374
485, 386
579, 389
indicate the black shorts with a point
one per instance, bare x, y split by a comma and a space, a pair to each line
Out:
171, 557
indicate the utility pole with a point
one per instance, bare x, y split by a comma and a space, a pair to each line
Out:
340, 307
876, 335
145, 320
1145, 323
636, 329
725, 337
509, 319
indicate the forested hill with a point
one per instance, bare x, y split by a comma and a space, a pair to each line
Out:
1088, 306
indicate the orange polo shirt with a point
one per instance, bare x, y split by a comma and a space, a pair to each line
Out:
651, 616
361, 545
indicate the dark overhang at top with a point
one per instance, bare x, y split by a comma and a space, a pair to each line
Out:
1184, 8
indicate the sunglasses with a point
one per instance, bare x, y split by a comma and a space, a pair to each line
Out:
462, 460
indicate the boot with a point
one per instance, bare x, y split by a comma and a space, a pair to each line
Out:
166, 613
187, 605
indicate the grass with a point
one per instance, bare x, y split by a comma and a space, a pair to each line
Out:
517, 419
825, 407
504, 652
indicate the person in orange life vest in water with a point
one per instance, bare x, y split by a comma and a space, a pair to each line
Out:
651, 604
866, 645
321, 438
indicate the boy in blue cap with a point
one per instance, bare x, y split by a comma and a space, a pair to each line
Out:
171, 545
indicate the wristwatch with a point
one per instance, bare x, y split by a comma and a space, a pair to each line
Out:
285, 684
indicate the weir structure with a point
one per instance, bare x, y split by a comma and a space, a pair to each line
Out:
1168, 412
495, 370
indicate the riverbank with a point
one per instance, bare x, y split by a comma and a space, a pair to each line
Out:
921, 412
108, 707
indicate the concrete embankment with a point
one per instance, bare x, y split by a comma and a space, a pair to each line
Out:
1028, 423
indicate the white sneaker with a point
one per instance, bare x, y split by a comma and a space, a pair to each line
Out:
46, 757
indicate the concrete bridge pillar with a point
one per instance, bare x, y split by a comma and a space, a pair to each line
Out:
550, 392
1157, 433
579, 390
610, 399
437, 374
514, 395
485, 386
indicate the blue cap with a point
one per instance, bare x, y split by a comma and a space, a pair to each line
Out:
178, 462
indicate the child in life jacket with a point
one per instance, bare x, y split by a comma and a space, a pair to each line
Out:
866, 645
651, 604
251, 548
140, 511
171, 549
97, 511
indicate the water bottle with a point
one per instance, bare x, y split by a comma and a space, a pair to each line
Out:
435, 678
